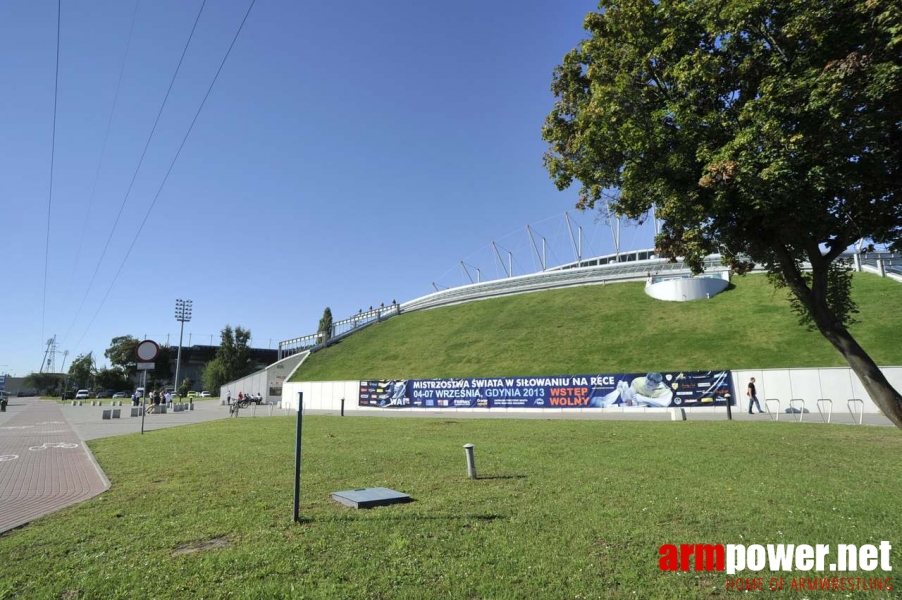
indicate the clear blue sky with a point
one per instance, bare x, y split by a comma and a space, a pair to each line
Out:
351, 153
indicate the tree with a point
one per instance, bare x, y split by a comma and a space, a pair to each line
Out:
232, 360
162, 368
112, 379
185, 387
81, 370
766, 130
325, 326
43, 383
215, 375
121, 353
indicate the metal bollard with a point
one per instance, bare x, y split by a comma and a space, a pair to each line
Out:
471, 462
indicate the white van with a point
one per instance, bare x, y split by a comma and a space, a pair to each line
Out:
82, 395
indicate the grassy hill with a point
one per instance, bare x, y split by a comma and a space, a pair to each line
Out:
614, 328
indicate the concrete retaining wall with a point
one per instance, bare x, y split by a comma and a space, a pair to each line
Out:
269, 382
687, 288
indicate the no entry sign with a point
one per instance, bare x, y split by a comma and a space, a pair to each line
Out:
147, 351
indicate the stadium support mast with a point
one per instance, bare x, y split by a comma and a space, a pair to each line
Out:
615, 233
465, 270
576, 247
536, 248
501, 260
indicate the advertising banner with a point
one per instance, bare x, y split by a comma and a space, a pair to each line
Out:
660, 390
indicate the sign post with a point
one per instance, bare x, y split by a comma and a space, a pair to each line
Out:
297, 459
146, 352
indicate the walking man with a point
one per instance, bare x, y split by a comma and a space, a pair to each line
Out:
753, 396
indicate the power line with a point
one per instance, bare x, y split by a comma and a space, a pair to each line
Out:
106, 136
169, 170
56, 80
138, 168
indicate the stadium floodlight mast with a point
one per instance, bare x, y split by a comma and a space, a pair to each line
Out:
183, 315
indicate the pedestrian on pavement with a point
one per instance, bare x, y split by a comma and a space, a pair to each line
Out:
753, 396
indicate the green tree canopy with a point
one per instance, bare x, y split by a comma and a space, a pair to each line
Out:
233, 359
113, 379
325, 326
121, 353
185, 387
43, 383
81, 370
769, 131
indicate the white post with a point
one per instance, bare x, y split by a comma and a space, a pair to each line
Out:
579, 247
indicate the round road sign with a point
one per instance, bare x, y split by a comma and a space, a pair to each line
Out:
146, 351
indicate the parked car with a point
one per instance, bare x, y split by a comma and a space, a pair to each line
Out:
69, 395
121, 395
205, 394
192, 394
106, 393
82, 395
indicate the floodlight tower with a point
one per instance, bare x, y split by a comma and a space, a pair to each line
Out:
183, 315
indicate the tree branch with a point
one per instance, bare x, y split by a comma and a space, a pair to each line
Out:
773, 43
660, 85
840, 243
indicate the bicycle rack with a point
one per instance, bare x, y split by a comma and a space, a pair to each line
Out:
775, 416
860, 404
796, 402
820, 404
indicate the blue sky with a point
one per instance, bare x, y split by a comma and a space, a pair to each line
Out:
351, 153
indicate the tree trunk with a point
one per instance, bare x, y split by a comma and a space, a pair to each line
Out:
887, 399
875, 383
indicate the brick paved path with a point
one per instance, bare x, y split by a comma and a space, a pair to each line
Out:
44, 465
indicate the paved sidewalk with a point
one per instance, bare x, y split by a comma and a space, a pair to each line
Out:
44, 465
88, 421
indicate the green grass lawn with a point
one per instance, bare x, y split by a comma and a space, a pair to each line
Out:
613, 328
564, 509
